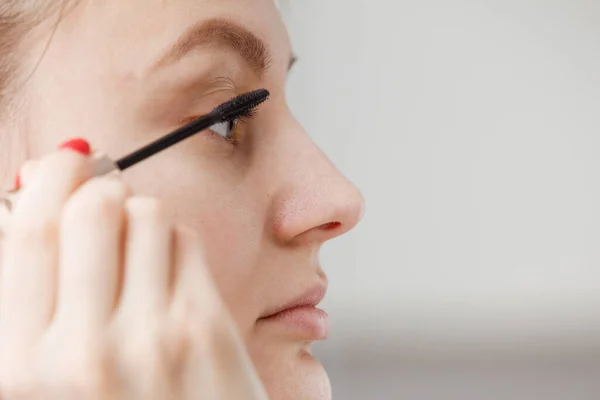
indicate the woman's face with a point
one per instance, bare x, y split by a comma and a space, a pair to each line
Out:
122, 73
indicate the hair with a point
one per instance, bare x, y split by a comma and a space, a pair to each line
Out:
17, 19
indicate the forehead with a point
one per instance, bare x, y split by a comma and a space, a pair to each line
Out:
138, 31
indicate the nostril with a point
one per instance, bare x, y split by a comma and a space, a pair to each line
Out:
331, 226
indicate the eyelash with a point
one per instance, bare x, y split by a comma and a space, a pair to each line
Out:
231, 126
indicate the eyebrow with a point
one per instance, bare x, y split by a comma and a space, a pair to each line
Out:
218, 32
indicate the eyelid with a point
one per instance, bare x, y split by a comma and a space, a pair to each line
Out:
203, 104
219, 83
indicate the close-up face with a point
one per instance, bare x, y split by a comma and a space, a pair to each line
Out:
262, 196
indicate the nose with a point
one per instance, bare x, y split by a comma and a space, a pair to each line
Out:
314, 201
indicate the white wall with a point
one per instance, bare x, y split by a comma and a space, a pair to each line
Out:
473, 129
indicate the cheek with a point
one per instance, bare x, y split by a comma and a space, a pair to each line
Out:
205, 197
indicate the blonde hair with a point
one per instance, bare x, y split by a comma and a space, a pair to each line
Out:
17, 18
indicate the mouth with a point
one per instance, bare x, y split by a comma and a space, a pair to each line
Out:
301, 315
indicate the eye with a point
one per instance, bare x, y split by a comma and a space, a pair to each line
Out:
224, 129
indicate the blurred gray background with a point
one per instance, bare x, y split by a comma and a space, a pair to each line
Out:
473, 129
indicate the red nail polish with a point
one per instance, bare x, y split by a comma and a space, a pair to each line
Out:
18, 181
79, 145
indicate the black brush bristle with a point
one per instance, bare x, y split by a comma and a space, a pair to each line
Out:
241, 105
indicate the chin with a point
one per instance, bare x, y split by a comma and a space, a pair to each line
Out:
299, 376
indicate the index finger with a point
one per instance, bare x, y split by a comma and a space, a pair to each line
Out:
30, 245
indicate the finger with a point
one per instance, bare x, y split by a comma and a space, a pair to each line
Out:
193, 309
194, 286
6, 204
12, 198
91, 236
30, 245
148, 258
28, 171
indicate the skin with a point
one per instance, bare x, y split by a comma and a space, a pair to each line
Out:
261, 209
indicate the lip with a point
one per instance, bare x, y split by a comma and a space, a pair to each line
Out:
301, 315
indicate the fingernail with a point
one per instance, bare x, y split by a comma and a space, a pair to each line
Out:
18, 181
79, 145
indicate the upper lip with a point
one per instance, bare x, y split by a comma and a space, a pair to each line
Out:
310, 298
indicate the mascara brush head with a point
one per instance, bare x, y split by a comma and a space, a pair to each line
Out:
241, 105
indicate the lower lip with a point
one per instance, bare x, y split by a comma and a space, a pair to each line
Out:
311, 322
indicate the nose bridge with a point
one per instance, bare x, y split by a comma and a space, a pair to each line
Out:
314, 195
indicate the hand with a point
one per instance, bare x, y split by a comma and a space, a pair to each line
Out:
102, 298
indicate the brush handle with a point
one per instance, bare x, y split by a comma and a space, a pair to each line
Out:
168, 140
104, 165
